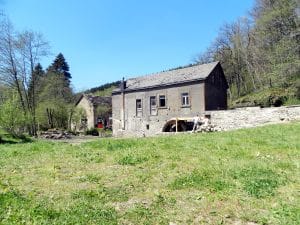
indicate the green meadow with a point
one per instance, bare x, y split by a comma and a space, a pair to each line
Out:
249, 176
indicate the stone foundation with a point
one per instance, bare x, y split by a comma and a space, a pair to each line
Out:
223, 120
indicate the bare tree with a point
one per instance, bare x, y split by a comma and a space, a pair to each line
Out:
19, 53
31, 47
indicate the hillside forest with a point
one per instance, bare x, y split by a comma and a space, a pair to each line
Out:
260, 55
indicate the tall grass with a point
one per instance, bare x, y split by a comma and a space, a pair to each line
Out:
238, 177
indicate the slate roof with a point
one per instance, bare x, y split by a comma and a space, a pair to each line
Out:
96, 100
193, 73
99, 100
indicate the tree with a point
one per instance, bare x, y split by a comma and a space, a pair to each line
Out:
277, 39
56, 101
31, 47
19, 54
59, 69
12, 119
55, 95
35, 85
60, 66
259, 51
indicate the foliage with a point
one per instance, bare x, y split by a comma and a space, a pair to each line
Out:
92, 131
260, 51
12, 118
20, 52
61, 67
298, 89
268, 97
55, 99
45, 98
78, 118
244, 176
103, 110
103, 90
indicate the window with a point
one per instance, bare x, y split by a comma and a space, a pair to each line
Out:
162, 101
185, 101
153, 110
139, 110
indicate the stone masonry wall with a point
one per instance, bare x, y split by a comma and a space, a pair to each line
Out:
226, 120
253, 116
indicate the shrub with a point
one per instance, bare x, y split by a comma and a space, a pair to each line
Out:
277, 100
92, 131
12, 118
298, 88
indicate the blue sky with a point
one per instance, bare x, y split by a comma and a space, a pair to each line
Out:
105, 40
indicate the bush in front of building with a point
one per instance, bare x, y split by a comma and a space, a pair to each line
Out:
92, 131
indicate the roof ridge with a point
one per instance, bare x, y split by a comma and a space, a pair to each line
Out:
193, 73
171, 70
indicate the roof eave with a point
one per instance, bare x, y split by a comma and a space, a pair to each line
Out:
156, 86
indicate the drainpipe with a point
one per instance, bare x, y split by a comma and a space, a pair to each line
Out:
123, 86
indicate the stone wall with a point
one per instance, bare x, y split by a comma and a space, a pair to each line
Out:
147, 124
253, 116
223, 120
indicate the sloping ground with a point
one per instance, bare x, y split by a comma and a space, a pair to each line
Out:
249, 176
271, 97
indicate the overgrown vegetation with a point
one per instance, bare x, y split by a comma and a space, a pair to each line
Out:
260, 51
31, 98
238, 177
103, 90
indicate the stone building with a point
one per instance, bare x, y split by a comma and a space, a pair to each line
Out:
147, 105
92, 112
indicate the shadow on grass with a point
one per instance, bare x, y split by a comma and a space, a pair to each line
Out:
8, 139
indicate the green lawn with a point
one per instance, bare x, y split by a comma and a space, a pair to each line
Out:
249, 176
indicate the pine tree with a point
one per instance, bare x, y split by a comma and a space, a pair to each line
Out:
60, 66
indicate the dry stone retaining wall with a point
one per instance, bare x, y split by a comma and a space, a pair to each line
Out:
224, 120
253, 116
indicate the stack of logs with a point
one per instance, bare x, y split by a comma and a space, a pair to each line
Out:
55, 134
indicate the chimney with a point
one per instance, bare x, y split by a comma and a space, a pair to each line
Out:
123, 84
123, 87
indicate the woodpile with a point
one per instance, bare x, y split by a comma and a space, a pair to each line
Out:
55, 134
208, 128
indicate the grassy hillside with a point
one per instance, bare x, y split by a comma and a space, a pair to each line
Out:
218, 178
103, 90
270, 97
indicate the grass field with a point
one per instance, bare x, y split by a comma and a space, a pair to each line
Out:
242, 177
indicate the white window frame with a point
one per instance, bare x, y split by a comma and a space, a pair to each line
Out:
185, 99
139, 110
153, 108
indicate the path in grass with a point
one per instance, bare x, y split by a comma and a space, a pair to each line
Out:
246, 176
